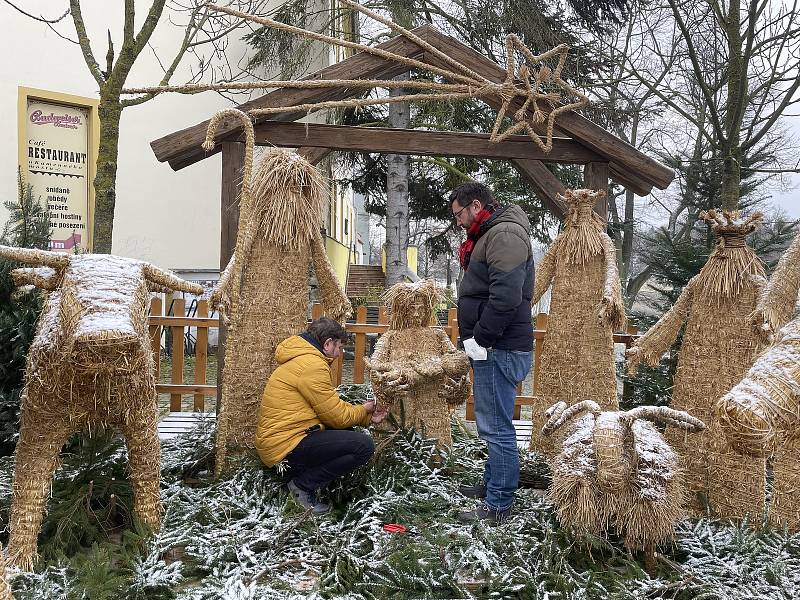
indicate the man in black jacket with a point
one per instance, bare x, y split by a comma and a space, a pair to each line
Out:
494, 318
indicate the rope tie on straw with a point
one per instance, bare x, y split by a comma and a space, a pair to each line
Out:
732, 239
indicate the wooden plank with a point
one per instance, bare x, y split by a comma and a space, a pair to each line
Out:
177, 389
417, 142
204, 322
201, 355
314, 155
232, 167
595, 177
614, 149
182, 148
178, 308
156, 310
452, 323
360, 347
538, 344
546, 186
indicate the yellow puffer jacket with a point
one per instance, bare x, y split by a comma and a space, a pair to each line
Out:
299, 395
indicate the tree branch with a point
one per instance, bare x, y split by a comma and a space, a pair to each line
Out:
84, 42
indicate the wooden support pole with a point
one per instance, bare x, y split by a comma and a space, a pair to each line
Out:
595, 177
232, 167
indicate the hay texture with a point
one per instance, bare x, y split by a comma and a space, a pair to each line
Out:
585, 307
761, 414
718, 347
614, 469
415, 369
5, 586
777, 304
90, 365
263, 292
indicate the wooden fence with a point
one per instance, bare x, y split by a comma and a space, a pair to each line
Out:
175, 328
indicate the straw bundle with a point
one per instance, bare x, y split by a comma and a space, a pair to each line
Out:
5, 586
718, 348
415, 369
585, 308
615, 469
776, 305
90, 365
264, 290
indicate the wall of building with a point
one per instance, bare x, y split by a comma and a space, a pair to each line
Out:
167, 217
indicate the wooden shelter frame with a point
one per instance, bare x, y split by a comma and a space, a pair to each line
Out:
604, 156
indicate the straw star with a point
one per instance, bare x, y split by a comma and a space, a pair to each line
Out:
545, 85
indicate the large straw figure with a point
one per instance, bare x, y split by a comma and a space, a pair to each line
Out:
264, 290
718, 347
90, 366
415, 369
585, 308
761, 414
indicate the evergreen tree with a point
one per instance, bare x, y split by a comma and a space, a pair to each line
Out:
28, 226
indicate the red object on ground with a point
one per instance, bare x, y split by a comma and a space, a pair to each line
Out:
394, 528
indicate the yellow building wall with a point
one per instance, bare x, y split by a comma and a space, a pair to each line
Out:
412, 256
339, 255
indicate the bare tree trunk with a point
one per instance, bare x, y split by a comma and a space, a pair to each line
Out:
397, 172
110, 112
731, 146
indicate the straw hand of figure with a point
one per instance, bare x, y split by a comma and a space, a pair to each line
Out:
454, 389
633, 357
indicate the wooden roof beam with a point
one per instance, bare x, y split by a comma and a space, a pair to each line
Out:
417, 142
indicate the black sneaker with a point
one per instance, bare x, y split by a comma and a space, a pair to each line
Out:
473, 491
307, 500
484, 513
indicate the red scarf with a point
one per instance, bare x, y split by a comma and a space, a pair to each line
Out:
465, 251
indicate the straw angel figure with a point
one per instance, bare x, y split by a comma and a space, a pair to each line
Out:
263, 292
718, 347
761, 414
585, 307
415, 369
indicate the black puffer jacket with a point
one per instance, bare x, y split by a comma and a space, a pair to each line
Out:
494, 297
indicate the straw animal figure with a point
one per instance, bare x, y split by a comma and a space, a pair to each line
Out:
718, 347
585, 308
761, 414
614, 468
415, 369
90, 365
263, 292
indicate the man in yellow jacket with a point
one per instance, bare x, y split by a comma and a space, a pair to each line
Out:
303, 420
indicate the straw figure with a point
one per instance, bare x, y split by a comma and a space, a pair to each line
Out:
614, 468
90, 365
585, 308
5, 586
761, 414
717, 349
263, 292
415, 369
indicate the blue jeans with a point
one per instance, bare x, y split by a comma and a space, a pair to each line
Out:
495, 389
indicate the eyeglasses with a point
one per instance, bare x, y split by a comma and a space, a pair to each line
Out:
458, 212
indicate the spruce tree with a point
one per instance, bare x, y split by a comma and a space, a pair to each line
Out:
28, 227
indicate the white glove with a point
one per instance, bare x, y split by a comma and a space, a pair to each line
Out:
474, 350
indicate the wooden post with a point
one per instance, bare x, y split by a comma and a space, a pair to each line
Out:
232, 167
178, 310
156, 310
595, 177
541, 325
201, 355
360, 346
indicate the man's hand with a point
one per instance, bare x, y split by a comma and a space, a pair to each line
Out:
379, 415
474, 350
369, 406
